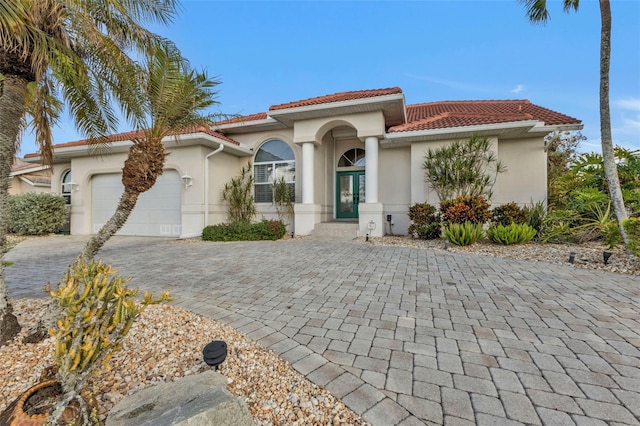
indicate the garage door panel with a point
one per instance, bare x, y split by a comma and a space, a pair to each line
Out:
157, 212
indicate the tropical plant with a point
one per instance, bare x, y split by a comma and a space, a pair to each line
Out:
426, 221
632, 226
284, 197
536, 214
81, 51
508, 213
463, 168
465, 209
514, 233
463, 234
537, 12
176, 100
238, 192
97, 312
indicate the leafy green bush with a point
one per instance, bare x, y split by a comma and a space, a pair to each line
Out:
514, 233
465, 209
558, 226
506, 214
463, 234
632, 227
535, 214
36, 214
426, 221
243, 231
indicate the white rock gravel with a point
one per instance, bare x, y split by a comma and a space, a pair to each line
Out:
166, 343
588, 255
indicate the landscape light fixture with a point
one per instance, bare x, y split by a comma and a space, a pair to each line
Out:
214, 353
572, 257
605, 256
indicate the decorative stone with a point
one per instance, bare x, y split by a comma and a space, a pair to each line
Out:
196, 400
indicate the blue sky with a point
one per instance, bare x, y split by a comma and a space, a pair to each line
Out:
267, 52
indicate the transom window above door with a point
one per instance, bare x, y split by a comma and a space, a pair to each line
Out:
273, 162
352, 158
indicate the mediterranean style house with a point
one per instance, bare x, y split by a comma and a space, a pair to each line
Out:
353, 156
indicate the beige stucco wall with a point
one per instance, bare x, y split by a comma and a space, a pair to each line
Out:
222, 168
18, 186
394, 187
525, 179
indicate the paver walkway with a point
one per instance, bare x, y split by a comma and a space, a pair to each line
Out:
403, 336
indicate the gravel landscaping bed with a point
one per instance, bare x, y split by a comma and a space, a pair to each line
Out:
166, 343
587, 255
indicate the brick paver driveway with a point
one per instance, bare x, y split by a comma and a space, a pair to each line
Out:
403, 336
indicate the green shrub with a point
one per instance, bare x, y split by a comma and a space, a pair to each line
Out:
558, 226
535, 214
632, 227
465, 209
242, 231
426, 221
507, 214
463, 234
36, 214
514, 233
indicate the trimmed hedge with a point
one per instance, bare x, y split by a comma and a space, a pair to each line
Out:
36, 214
632, 226
243, 231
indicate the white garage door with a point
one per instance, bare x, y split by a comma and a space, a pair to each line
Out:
157, 212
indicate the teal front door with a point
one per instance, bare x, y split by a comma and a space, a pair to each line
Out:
349, 193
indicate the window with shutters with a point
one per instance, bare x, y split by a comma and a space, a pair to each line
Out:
273, 161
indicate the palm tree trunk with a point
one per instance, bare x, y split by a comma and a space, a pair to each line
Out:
608, 157
12, 109
127, 202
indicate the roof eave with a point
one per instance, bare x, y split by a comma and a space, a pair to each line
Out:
65, 153
34, 184
403, 138
250, 126
289, 115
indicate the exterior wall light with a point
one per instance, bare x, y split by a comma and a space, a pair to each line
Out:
70, 187
186, 180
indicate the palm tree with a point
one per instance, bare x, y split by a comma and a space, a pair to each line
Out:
82, 47
537, 12
176, 98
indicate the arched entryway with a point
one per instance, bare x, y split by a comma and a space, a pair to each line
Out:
350, 183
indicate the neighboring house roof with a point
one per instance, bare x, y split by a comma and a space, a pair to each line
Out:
33, 174
338, 97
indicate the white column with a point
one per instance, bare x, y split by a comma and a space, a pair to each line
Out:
307, 172
371, 169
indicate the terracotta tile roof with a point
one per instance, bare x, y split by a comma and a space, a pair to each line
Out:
251, 117
338, 97
127, 136
446, 114
458, 119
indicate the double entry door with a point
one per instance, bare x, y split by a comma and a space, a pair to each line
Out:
350, 192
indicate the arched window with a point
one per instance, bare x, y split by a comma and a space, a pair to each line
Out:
273, 161
353, 158
66, 187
